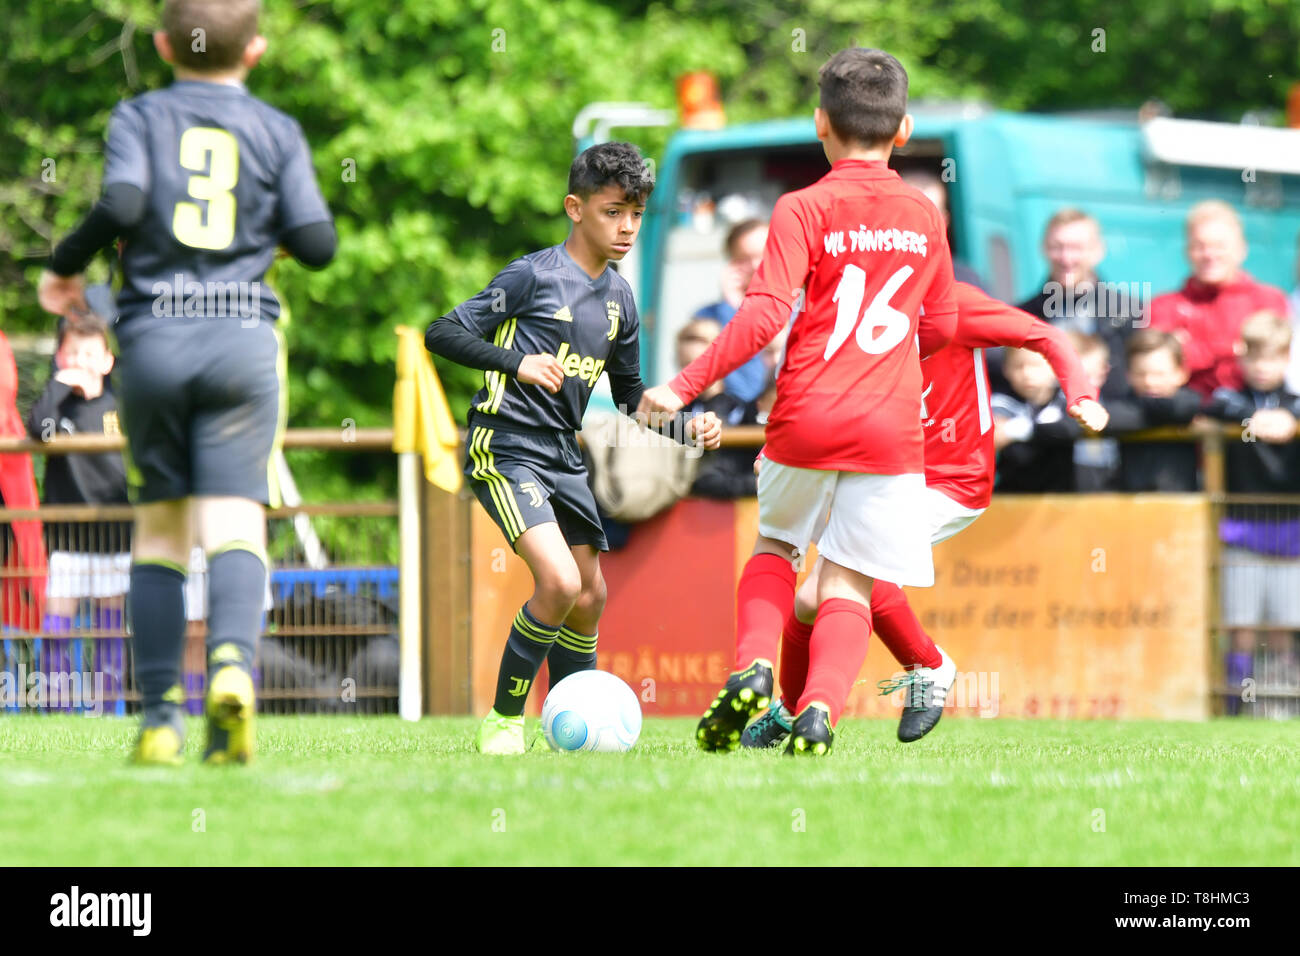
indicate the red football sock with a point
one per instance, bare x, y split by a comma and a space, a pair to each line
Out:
764, 599
898, 628
794, 659
835, 653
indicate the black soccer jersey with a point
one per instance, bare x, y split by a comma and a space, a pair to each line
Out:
544, 302
226, 177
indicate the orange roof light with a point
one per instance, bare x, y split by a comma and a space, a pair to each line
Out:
699, 101
1293, 107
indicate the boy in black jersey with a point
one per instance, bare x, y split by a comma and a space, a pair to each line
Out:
202, 182
546, 328
88, 560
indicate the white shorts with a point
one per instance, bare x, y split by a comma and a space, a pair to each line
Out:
73, 575
946, 516
1259, 590
877, 525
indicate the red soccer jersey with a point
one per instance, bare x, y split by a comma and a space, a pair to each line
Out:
867, 251
957, 416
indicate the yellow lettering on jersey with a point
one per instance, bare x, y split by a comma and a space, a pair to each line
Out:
584, 367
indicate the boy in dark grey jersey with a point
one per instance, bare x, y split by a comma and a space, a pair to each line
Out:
202, 183
557, 319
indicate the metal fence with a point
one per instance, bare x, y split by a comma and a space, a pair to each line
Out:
331, 638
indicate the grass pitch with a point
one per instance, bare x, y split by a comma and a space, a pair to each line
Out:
376, 791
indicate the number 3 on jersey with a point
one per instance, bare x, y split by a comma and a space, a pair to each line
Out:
216, 152
894, 325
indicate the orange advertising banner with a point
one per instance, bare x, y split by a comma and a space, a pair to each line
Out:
1066, 606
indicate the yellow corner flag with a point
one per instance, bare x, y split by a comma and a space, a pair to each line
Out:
422, 421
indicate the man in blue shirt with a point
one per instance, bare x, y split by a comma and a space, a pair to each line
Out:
744, 248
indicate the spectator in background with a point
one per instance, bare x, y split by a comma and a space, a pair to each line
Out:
22, 595
1158, 396
744, 249
1207, 312
937, 192
727, 472
1293, 307
88, 560
1096, 459
1074, 298
1261, 542
1029, 461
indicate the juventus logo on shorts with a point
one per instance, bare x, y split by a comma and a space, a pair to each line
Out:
534, 496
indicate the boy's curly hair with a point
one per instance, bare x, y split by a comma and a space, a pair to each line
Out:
606, 164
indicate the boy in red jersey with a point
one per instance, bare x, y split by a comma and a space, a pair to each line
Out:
845, 462
959, 466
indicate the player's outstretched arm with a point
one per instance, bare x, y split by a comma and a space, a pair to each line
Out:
984, 322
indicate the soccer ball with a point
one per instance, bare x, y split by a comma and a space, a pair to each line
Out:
591, 710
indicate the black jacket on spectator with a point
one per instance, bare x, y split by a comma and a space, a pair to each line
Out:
1257, 467
80, 479
728, 472
1106, 314
1155, 466
1044, 460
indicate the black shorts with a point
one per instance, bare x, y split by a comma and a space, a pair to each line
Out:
202, 404
525, 479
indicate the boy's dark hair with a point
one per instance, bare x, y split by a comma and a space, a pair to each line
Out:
84, 324
611, 164
227, 27
864, 95
739, 231
1146, 341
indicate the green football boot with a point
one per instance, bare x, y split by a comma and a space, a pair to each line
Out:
502, 735
744, 695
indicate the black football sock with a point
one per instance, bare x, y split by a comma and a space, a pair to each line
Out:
571, 652
236, 602
529, 641
157, 606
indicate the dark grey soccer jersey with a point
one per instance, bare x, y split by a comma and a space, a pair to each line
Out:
544, 302
225, 177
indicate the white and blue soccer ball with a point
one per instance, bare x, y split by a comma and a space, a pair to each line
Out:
591, 710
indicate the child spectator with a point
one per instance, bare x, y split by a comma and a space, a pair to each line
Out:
1096, 460
1261, 542
1028, 461
1158, 396
1277, 668
88, 560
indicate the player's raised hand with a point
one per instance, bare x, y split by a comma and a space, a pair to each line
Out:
1090, 415
57, 294
706, 429
660, 400
544, 370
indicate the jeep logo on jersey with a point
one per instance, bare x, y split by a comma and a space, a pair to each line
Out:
583, 366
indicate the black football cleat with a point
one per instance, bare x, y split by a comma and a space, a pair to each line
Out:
744, 695
926, 694
771, 729
812, 735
